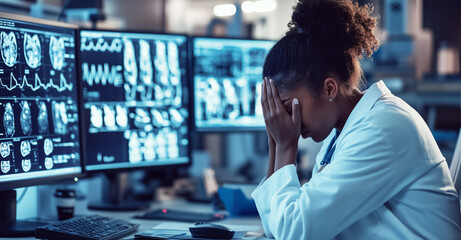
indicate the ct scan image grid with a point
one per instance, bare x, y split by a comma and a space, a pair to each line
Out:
135, 94
39, 131
227, 78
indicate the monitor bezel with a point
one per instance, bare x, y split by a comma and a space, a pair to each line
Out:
8, 185
216, 129
84, 120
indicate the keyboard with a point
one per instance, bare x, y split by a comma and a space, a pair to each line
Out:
87, 228
182, 216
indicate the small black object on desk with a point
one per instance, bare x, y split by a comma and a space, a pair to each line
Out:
65, 201
180, 215
211, 230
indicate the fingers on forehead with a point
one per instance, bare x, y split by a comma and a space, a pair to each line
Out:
274, 89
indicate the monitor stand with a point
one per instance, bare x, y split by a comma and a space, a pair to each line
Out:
114, 195
9, 226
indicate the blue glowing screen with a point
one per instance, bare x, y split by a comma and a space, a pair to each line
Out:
227, 78
39, 121
135, 99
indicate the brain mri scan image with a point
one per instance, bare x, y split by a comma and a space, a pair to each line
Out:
5, 149
42, 118
32, 50
25, 148
48, 163
96, 116
60, 117
5, 166
109, 116
48, 146
26, 118
26, 165
57, 52
9, 48
122, 116
8, 120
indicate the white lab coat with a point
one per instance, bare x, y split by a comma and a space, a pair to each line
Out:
385, 153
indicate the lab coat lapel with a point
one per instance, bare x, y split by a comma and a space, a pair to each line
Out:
371, 96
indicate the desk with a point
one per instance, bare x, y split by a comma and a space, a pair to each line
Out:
175, 204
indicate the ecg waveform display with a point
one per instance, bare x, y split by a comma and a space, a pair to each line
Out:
227, 77
101, 45
36, 84
39, 117
102, 74
136, 106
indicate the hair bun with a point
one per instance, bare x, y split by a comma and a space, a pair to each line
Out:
338, 24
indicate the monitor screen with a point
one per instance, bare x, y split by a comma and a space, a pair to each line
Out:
135, 99
39, 128
227, 78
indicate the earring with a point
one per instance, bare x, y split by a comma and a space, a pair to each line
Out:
331, 100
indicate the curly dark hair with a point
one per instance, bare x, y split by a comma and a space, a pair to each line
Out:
325, 38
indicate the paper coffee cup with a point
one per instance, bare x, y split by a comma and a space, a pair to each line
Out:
65, 202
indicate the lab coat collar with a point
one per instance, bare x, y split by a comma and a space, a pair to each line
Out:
368, 100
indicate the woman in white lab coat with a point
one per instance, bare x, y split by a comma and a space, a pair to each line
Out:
380, 173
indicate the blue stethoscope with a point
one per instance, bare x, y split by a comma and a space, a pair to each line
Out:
331, 149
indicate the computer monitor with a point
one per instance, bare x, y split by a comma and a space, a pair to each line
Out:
39, 112
227, 74
136, 102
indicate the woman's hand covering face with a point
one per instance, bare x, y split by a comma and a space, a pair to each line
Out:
283, 128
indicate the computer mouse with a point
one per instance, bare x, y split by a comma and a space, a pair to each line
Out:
210, 230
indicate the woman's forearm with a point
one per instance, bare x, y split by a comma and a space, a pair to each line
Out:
285, 156
271, 162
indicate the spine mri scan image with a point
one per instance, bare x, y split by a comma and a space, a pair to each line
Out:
133, 87
38, 101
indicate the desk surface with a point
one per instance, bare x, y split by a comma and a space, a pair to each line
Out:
178, 205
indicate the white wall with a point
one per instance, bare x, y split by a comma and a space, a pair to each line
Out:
275, 26
137, 14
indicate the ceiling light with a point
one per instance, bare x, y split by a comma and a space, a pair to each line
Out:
264, 5
224, 10
248, 7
